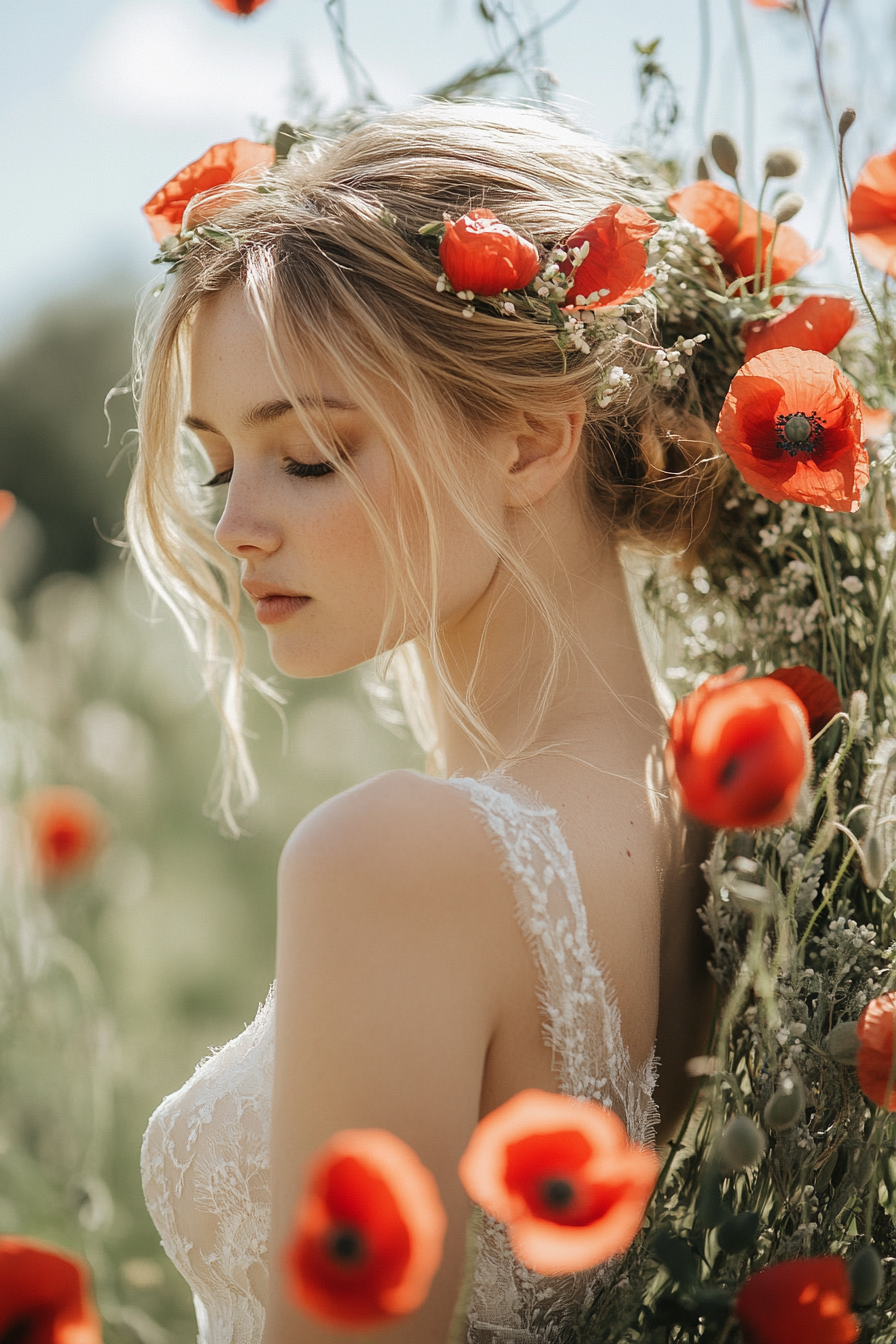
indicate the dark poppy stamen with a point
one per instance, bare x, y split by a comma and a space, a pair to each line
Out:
19, 1330
557, 1193
800, 432
729, 771
346, 1245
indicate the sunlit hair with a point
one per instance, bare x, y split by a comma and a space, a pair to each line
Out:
329, 258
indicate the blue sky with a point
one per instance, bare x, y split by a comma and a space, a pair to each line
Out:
102, 100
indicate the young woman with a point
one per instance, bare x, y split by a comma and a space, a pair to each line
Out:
401, 475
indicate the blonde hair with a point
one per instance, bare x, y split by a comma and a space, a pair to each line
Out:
330, 258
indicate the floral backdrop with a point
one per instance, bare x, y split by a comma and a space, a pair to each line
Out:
134, 936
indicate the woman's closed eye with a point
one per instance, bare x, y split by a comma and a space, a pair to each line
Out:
291, 467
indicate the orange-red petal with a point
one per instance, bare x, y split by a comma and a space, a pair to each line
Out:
48, 1288
798, 1302
872, 212
241, 7
732, 225
818, 323
876, 1060
617, 258
818, 693
538, 1138
738, 752
369, 1186
787, 382
236, 160
7, 506
877, 420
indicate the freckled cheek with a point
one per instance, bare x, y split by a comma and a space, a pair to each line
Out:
338, 545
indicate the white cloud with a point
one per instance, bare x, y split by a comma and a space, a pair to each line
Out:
153, 61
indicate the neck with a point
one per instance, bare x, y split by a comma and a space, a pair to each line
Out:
501, 655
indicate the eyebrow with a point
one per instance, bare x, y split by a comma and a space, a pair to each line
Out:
273, 410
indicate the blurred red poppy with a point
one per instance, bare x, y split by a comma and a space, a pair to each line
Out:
773, 4
243, 7
68, 829
818, 323
480, 255
237, 159
876, 421
613, 270
798, 1302
368, 1231
732, 227
738, 751
45, 1295
7, 505
819, 695
872, 212
876, 1060
792, 425
563, 1176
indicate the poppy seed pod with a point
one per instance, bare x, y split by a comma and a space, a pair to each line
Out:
725, 153
847, 118
842, 1043
866, 1274
783, 163
790, 204
786, 1104
742, 1143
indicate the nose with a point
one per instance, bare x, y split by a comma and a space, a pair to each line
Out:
246, 528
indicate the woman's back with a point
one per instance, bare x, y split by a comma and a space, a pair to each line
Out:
206, 1151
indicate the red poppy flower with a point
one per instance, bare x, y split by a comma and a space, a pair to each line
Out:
67, 827
563, 1176
818, 323
613, 270
872, 212
738, 751
732, 227
368, 1231
819, 695
773, 4
798, 1302
792, 425
242, 7
45, 1295
876, 1060
7, 504
237, 159
876, 421
480, 255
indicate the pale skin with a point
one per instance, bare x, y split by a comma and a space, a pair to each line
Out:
406, 996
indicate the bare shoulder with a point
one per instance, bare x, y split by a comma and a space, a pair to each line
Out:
396, 834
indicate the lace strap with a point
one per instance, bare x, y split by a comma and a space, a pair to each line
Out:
581, 1020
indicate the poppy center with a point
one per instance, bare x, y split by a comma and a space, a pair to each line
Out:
800, 432
346, 1245
557, 1193
19, 1330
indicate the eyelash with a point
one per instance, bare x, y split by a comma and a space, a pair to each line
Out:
301, 469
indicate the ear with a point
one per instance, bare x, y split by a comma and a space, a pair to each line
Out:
542, 452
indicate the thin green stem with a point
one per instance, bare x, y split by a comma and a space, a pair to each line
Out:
749, 85
829, 894
879, 632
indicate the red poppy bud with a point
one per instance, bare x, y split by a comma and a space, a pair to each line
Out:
563, 1176
738, 751
798, 1302
481, 255
368, 1232
45, 1295
876, 1058
613, 269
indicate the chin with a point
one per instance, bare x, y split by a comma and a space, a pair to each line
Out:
309, 662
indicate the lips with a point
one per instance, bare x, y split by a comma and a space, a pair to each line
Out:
271, 606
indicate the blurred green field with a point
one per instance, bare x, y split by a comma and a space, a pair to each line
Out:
114, 986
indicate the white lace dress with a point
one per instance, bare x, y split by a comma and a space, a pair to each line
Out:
205, 1152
